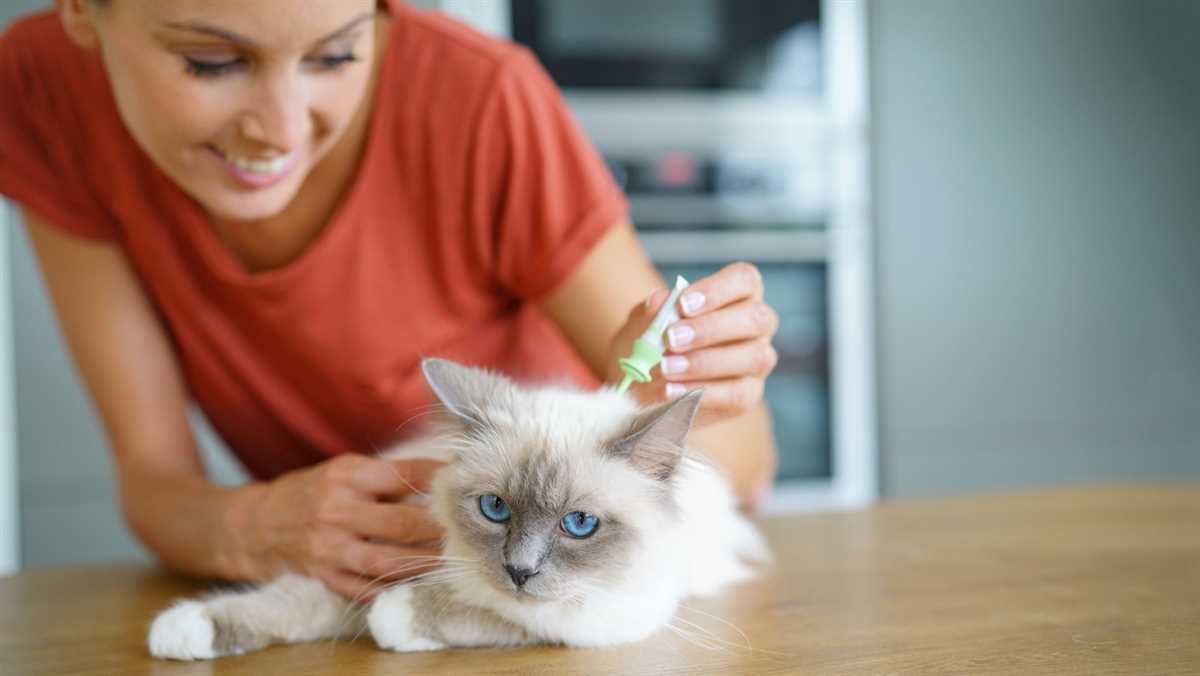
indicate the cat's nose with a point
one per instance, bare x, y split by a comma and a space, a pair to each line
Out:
519, 575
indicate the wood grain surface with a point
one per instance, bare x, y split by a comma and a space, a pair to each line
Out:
1087, 580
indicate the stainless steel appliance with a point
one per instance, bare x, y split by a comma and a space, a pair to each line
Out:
738, 131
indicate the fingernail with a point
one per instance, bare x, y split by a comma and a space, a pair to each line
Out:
680, 335
692, 301
675, 389
649, 302
674, 364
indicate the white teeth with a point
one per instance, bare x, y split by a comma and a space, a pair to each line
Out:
257, 166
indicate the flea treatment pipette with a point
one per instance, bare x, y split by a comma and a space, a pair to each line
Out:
648, 348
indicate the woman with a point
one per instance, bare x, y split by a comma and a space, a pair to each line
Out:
278, 213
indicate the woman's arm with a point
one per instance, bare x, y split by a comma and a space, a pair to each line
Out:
317, 520
129, 370
594, 304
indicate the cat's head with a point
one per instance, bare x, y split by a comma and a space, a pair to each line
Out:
554, 492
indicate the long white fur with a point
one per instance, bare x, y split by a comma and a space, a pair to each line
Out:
706, 547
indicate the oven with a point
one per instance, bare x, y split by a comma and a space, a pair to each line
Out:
732, 129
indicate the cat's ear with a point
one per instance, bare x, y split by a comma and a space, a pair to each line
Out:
464, 390
655, 438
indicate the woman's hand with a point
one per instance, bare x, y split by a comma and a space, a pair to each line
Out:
721, 343
338, 521
599, 310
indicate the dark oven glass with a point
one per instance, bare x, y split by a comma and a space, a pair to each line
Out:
675, 44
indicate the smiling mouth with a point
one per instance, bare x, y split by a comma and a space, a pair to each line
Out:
263, 167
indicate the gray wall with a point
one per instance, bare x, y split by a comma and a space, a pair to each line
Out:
1037, 191
67, 507
68, 512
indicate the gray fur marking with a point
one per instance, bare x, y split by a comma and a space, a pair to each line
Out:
231, 637
654, 441
464, 389
439, 616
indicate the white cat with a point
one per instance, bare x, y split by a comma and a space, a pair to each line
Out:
571, 517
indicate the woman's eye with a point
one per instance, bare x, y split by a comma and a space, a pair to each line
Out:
210, 68
205, 68
494, 508
579, 524
335, 61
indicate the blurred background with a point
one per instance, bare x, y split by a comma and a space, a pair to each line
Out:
979, 221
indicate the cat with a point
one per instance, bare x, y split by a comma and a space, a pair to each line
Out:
571, 517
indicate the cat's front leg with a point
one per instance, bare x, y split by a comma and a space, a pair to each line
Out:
396, 624
290, 609
426, 616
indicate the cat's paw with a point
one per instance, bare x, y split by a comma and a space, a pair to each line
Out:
391, 621
185, 631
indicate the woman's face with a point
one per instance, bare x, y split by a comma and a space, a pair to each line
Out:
237, 100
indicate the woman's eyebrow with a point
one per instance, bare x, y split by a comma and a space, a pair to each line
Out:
208, 29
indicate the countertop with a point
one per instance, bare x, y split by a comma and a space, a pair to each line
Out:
1087, 580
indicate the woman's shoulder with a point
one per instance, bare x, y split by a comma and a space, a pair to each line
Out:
440, 34
439, 59
31, 28
57, 125
445, 78
42, 66
36, 42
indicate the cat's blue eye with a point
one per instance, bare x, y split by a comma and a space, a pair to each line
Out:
579, 524
494, 508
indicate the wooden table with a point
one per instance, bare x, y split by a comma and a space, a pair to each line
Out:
1100, 580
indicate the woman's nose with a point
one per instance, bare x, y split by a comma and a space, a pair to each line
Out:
278, 116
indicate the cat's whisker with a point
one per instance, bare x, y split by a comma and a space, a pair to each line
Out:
353, 610
443, 607
432, 583
427, 409
723, 621
440, 578
710, 636
414, 582
366, 587
693, 640
696, 640
419, 560
702, 637
362, 627
425, 579
439, 575
428, 557
585, 591
415, 491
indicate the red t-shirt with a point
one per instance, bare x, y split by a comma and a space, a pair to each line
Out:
477, 195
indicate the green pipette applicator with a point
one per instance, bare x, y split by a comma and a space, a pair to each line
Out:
648, 348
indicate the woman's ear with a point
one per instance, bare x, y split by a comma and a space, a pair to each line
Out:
79, 21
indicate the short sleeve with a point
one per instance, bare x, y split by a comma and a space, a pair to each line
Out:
544, 192
41, 151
